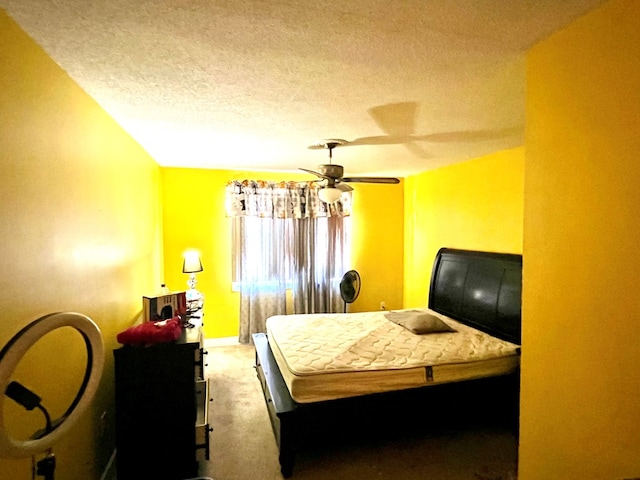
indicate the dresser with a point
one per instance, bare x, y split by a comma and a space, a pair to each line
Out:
162, 400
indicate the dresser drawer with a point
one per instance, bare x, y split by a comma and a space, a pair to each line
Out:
203, 430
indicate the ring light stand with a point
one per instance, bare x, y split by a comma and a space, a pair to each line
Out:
10, 356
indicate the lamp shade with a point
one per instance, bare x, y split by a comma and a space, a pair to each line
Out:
329, 194
192, 263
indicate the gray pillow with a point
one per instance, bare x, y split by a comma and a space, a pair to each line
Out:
418, 322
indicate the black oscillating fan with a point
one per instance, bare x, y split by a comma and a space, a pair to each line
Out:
349, 287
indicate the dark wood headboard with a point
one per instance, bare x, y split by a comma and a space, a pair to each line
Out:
480, 289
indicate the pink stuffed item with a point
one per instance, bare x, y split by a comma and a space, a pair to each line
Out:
151, 333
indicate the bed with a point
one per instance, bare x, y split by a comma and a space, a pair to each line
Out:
319, 365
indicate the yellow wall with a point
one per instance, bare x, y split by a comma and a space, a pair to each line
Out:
80, 213
580, 407
474, 205
82, 219
377, 245
194, 217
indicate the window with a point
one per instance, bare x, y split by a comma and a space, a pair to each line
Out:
284, 237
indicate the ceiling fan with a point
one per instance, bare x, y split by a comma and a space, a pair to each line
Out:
333, 175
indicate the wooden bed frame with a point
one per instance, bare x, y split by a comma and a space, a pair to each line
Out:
480, 289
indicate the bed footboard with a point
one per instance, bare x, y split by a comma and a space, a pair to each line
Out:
280, 405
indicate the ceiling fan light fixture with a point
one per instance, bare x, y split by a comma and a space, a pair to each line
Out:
329, 194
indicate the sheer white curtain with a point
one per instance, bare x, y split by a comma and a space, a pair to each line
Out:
260, 245
284, 236
319, 261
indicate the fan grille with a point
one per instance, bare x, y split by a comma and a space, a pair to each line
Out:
349, 287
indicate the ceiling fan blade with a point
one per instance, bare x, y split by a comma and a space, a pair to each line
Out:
387, 180
344, 187
316, 174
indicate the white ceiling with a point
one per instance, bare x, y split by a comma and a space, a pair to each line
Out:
250, 84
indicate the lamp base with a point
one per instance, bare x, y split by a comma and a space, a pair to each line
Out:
192, 281
195, 300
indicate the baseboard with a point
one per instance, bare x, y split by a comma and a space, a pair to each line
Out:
110, 470
221, 341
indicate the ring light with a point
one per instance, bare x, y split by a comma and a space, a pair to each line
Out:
13, 352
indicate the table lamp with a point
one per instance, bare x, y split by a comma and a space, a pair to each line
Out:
192, 265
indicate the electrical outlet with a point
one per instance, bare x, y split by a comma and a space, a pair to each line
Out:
383, 306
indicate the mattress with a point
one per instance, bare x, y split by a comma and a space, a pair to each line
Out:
329, 356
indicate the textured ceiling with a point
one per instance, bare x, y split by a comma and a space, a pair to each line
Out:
250, 84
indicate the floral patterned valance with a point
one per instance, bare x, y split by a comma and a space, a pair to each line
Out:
259, 198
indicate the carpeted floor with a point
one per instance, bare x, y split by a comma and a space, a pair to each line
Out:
243, 446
